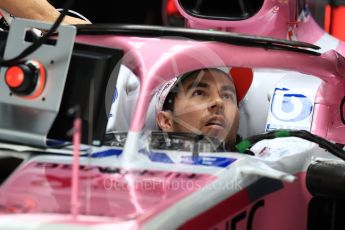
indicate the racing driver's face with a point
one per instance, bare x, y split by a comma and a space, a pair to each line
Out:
205, 104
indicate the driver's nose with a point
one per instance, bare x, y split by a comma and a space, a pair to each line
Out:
216, 104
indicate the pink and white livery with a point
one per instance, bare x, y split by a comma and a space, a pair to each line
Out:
289, 20
130, 183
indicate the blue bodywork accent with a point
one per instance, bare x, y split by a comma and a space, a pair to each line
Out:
208, 161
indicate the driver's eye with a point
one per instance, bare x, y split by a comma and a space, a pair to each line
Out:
198, 92
228, 96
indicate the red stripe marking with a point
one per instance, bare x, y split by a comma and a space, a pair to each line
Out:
171, 8
220, 212
337, 20
327, 19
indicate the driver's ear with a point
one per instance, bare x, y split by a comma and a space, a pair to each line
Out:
165, 121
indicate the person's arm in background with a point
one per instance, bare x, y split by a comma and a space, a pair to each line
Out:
37, 10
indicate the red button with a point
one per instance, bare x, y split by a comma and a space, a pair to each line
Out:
14, 76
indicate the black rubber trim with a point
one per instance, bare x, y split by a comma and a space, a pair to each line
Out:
245, 15
341, 110
196, 34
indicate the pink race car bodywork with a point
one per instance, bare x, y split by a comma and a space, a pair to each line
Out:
278, 19
114, 183
153, 68
136, 188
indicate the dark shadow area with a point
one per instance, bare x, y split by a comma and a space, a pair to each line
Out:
326, 213
7, 166
107, 11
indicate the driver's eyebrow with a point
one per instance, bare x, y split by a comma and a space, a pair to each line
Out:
193, 85
228, 88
